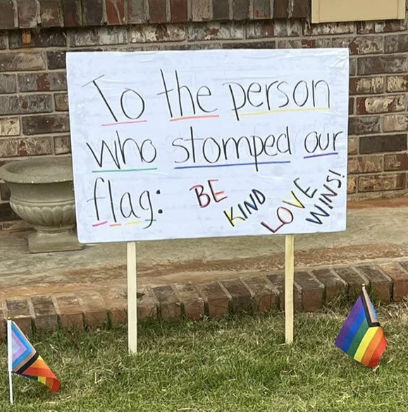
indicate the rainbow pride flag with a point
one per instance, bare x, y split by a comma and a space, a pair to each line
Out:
362, 337
25, 361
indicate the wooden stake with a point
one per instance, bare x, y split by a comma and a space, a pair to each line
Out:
289, 282
132, 297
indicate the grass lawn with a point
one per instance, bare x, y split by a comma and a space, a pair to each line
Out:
239, 364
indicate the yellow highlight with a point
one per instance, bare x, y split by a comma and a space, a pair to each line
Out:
133, 223
42, 380
314, 109
297, 203
368, 337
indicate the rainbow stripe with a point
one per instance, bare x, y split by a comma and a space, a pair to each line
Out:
28, 363
362, 336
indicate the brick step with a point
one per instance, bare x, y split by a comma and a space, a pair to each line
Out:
314, 288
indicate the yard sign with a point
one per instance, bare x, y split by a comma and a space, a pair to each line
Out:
195, 144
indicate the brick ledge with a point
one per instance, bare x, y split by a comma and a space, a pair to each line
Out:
314, 288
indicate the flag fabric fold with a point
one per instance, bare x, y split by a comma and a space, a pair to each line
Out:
27, 362
362, 336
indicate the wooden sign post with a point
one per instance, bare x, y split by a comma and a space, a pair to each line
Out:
132, 297
289, 282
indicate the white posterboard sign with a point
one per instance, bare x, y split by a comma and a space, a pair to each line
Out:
193, 144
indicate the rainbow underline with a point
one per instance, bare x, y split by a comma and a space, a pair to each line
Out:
119, 123
124, 170
281, 111
321, 155
233, 164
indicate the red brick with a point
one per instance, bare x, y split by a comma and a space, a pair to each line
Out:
45, 315
201, 10
364, 125
240, 9
43, 124
382, 183
383, 143
281, 9
61, 102
7, 15
353, 279
395, 123
19, 311
179, 11
12, 62
325, 29
136, 12
351, 105
72, 12
352, 145
216, 31
56, 60
381, 104
399, 278
334, 286
34, 146
268, 45
264, 295
351, 184
395, 162
287, 28
25, 104
361, 44
54, 81
8, 83
366, 85
396, 44
42, 38
147, 305
27, 13
259, 30
380, 284
261, 9
390, 26
115, 12
62, 145
304, 43
312, 291
50, 13
241, 300
99, 36
192, 303
69, 311
397, 84
220, 9
381, 64
300, 9
157, 10
170, 306
92, 12
278, 282
94, 308
115, 299
365, 164
216, 299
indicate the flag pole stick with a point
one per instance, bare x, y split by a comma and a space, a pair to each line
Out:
289, 282
10, 360
132, 297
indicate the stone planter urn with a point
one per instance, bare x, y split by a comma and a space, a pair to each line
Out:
42, 194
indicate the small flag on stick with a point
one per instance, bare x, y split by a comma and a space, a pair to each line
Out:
25, 361
362, 337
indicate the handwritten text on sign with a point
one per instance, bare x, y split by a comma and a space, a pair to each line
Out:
208, 143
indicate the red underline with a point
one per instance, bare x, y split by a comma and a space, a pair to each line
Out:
115, 124
100, 224
213, 116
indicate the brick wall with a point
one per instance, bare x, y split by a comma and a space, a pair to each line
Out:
35, 34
